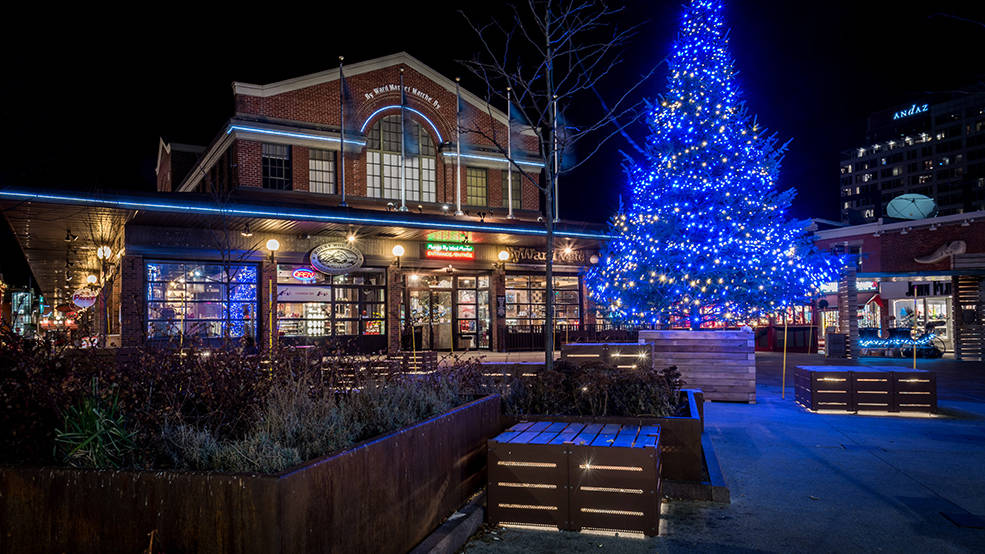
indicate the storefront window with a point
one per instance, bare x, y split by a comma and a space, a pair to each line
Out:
931, 313
526, 299
312, 304
201, 300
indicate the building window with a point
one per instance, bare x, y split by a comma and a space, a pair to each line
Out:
526, 297
475, 186
517, 187
276, 166
201, 300
321, 171
339, 305
383, 150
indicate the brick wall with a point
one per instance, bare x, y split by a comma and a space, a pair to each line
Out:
319, 104
299, 167
248, 158
132, 301
268, 290
893, 252
394, 296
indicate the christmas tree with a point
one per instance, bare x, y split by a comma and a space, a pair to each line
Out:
706, 236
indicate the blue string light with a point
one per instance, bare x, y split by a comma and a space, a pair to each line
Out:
706, 237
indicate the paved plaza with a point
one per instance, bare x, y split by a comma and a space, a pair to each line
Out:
803, 482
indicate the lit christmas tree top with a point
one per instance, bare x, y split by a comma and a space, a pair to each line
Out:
706, 237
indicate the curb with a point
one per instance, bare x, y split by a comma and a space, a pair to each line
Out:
451, 535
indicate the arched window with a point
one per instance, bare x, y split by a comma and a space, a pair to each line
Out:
383, 161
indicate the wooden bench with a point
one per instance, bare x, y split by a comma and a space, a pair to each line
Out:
601, 478
865, 389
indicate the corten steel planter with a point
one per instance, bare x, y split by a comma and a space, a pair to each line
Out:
681, 454
721, 363
383, 495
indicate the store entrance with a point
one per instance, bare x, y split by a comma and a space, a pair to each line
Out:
430, 312
448, 311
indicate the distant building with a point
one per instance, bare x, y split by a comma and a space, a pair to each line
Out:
934, 149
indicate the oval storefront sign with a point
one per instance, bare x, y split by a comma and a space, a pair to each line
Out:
84, 298
336, 259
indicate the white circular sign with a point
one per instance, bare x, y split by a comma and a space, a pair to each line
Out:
336, 258
84, 298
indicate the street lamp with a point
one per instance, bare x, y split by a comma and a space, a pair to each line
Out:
104, 252
91, 279
398, 251
273, 245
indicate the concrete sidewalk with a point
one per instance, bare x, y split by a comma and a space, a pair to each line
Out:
821, 482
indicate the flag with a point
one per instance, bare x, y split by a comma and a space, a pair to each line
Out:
412, 147
349, 120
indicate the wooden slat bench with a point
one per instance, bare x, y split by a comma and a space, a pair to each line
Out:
579, 477
865, 388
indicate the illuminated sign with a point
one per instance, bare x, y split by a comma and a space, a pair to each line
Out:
861, 285
449, 251
304, 274
85, 298
335, 259
912, 110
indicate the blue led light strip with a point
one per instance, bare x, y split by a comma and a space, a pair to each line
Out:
408, 108
300, 215
290, 134
492, 159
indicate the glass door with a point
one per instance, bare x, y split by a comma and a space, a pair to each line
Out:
431, 313
472, 313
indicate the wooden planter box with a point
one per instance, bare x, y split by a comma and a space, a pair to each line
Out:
720, 363
865, 388
620, 355
681, 453
384, 495
576, 476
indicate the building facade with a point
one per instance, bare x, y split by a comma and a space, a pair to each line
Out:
383, 229
933, 149
908, 279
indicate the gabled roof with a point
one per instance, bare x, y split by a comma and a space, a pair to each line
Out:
367, 66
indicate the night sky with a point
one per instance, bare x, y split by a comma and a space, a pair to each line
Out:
87, 95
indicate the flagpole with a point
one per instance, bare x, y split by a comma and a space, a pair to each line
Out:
458, 147
403, 144
509, 154
556, 203
342, 128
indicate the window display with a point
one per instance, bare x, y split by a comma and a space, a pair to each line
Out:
330, 305
201, 300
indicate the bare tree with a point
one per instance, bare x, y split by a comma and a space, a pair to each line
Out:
552, 56
232, 252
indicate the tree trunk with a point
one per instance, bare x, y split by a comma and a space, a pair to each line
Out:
549, 273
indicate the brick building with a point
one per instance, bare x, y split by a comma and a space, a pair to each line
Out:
387, 229
922, 275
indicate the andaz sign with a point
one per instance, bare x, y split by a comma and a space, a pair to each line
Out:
912, 110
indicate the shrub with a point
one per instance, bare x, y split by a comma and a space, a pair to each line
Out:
94, 433
594, 389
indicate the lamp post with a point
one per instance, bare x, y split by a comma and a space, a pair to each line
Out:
273, 245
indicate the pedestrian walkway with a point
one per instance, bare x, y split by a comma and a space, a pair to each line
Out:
803, 482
